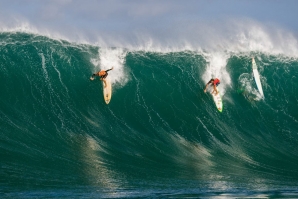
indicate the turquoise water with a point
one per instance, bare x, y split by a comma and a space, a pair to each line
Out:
160, 136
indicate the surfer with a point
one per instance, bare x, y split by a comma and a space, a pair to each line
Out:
102, 74
215, 83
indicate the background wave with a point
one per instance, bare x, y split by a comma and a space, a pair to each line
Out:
160, 134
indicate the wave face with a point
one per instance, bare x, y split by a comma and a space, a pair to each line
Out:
160, 136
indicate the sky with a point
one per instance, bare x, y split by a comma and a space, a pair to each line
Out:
131, 22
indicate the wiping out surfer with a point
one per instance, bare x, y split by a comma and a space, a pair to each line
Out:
215, 82
102, 74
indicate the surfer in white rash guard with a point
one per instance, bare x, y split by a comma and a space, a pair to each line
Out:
102, 74
215, 83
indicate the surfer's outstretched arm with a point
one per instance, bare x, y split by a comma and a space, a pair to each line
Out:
206, 87
92, 77
110, 69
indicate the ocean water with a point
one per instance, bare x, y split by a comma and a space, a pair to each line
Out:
161, 136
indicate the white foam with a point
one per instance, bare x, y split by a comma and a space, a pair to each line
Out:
241, 35
246, 82
26, 27
216, 68
112, 57
254, 36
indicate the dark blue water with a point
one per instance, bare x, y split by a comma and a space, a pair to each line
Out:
160, 136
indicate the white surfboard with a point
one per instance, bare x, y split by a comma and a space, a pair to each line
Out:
107, 91
217, 100
257, 77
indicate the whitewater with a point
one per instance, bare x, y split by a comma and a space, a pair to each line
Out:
161, 135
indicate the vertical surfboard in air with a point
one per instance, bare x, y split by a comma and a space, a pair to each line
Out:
257, 77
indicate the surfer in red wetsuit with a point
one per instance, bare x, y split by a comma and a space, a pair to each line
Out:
215, 83
102, 74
